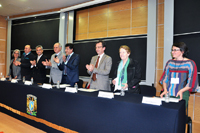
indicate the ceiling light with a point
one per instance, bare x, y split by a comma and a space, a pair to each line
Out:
0, 5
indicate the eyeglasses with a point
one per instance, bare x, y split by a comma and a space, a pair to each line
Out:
98, 47
176, 50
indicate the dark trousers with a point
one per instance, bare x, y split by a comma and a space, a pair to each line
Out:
27, 77
65, 80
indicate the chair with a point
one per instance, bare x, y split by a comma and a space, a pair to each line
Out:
147, 90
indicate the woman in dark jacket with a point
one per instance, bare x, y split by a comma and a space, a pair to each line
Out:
127, 72
15, 70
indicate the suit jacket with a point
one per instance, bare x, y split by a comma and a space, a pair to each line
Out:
102, 71
55, 72
26, 65
72, 68
133, 76
16, 70
39, 71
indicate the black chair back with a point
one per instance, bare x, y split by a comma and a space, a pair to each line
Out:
147, 90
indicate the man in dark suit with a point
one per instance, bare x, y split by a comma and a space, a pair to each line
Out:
39, 71
25, 64
69, 66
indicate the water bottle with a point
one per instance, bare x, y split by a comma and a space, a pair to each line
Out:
122, 93
23, 78
32, 80
167, 97
76, 86
58, 85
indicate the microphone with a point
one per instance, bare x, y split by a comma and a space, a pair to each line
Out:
55, 56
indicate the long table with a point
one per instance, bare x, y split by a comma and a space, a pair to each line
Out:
59, 111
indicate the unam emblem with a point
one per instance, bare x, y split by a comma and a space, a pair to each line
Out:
31, 104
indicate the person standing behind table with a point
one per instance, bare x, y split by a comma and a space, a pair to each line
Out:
69, 66
15, 70
180, 74
39, 71
99, 69
25, 64
55, 72
127, 73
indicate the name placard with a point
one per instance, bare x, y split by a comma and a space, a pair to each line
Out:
27, 83
14, 81
70, 89
152, 100
103, 94
3, 79
47, 86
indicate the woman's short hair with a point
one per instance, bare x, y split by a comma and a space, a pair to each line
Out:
128, 50
15, 51
183, 48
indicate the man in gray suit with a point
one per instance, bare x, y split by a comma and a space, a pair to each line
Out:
55, 72
99, 69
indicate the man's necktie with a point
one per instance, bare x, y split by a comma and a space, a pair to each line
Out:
65, 72
96, 65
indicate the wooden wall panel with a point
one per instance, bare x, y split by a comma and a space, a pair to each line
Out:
159, 63
98, 10
139, 30
118, 32
197, 109
139, 17
98, 23
3, 33
139, 3
115, 19
158, 75
160, 36
2, 57
160, 44
97, 34
81, 36
161, 1
118, 6
119, 20
2, 45
3, 38
2, 69
161, 13
190, 106
82, 13
82, 25
2, 22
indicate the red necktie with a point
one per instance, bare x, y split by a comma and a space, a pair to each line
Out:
96, 65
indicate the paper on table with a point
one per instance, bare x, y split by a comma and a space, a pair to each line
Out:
151, 100
71, 89
117, 87
87, 90
62, 85
3, 79
27, 83
14, 81
106, 94
117, 93
175, 100
47, 86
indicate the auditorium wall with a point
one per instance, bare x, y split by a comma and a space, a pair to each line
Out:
3, 38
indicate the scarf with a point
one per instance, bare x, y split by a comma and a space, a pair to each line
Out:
122, 72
